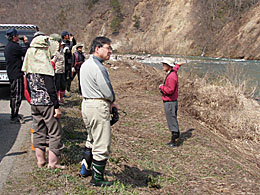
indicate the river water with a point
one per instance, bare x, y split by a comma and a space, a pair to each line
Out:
248, 70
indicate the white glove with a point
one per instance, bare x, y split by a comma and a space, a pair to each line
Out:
66, 49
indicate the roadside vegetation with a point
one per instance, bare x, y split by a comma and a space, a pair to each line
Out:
217, 153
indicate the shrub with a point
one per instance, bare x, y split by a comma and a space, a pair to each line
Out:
136, 22
91, 3
117, 16
115, 24
115, 6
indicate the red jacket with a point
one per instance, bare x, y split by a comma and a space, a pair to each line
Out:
170, 87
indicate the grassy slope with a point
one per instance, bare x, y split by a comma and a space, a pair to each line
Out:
204, 163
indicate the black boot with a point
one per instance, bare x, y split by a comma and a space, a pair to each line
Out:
97, 179
175, 135
85, 170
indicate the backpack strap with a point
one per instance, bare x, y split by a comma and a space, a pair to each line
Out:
77, 64
76, 56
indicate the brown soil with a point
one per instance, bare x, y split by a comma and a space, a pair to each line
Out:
208, 159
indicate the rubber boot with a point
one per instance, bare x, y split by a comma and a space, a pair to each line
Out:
53, 160
85, 170
62, 93
97, 179
175, 135
40, 156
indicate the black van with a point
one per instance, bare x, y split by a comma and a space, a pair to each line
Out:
27, 30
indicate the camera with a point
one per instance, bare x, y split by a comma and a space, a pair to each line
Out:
21, 38
115, 116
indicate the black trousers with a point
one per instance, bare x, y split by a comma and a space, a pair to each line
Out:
16, 95
68, 77
60, 82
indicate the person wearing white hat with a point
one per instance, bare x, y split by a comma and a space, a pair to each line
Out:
78, 59
169, 90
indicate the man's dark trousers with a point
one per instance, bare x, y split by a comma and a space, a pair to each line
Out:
16, 95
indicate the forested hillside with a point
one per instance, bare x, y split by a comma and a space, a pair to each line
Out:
220, 28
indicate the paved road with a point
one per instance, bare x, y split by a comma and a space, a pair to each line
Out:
12, 136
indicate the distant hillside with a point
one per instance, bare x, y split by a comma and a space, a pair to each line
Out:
221, 28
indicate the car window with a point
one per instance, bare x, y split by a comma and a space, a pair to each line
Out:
28, 34
3, 39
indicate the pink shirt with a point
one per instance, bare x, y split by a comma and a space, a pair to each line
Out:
170, 88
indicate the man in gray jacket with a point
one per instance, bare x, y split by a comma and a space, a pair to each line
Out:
98, 101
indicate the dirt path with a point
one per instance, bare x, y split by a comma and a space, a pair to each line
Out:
205, 162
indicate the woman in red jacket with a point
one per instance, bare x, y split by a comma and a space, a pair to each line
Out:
169, 90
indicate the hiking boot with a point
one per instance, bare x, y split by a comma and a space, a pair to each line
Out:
66, 94
97, 179
21, 118
85, 170
15, 120
172, 143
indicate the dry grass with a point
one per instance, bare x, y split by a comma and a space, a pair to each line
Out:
221, 105
209, 159
226, 106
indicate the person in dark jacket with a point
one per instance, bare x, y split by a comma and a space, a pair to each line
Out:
169, 90
13, 54
70, 41
77, 60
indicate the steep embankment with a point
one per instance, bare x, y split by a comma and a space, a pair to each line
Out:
183, 27
188, 27
242, 37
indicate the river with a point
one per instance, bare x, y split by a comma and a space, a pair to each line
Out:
239, 69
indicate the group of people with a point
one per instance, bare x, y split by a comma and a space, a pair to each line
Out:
67, 66
46, 74
44, 65
65, 63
